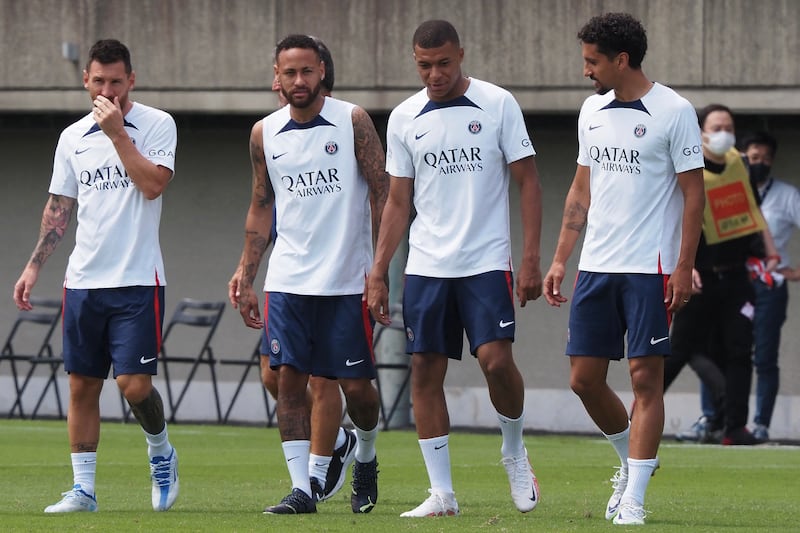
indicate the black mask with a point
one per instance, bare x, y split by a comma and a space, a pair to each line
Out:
759, 172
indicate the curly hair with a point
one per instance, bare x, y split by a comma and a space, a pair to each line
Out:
435, 33
614, 33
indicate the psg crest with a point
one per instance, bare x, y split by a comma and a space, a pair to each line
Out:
331, 147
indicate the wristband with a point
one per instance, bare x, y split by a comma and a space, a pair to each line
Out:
775, 257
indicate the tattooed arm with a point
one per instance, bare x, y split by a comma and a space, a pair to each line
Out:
372, 162
576, 210
257, 229
55, 220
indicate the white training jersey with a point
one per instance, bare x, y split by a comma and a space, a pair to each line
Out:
324, 226
458, 154
116, 241
780, 205
634, 151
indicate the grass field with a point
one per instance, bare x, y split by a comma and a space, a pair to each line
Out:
228, 474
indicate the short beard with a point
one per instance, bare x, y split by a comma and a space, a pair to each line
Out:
312, 96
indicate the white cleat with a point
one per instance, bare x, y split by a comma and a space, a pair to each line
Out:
618, 482
630, 514
74, 501
524, 486
164, 473
437, 504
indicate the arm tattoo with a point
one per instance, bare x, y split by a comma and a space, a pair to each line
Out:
150, 413
262, 187
55, 220
575, 216
372, 162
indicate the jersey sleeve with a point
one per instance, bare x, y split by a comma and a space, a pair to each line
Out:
63, 181
583, 155
515, 141
685, 142
399, 162
161, 143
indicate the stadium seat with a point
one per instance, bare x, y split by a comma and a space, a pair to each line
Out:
405, 367
253, 361
193, 314
45, 315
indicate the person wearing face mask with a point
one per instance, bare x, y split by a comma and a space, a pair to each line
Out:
780, 204
714, 332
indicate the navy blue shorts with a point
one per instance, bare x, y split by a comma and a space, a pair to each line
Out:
119, 326
438, 311
607, 306
326, 336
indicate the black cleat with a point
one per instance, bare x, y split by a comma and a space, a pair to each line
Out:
365, 486
298, 502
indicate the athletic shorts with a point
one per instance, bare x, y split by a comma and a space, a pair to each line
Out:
438, 311
117, 326
607, 306
326, 336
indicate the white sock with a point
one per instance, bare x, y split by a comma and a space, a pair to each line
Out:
511, 430
158, 445
341, 438
436, 453
620, 443
365, 451
84, 467
297, 453
318, 467
639, 473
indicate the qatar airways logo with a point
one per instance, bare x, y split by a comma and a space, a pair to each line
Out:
105, 178
313, 183
455, 160
616, 159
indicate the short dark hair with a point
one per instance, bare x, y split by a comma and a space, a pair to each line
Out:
614, 33
762, 138
435, 33
107, 51
297, 40
327, 58
702, 115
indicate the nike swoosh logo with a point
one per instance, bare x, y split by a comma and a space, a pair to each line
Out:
290, 459
504, 324
421, 135
654, 341
145, 361
353, 363
439, 447
80, 151
595, 127
274, 157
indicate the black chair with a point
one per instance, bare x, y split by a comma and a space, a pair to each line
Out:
46, 314
397, 324
200, 315
253, 361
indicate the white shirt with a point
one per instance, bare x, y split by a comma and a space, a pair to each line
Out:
780, 205
116, 241
458, 154
634, 151
323, 221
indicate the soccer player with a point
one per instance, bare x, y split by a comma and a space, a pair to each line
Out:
638, 191
319, 161
333, 447
114, 163
451, 150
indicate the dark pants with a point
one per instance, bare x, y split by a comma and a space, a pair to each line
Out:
716, 325
771, 307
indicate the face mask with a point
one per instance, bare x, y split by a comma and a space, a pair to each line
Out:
719, 142
759, 172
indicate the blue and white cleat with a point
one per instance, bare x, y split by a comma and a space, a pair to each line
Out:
164, 473
74, 501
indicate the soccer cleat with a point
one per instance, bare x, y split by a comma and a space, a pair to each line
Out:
618, 482
524, 486
437, 504
164, 473
316, 490
343, 457
75, 500
761, 433
365, 486
297, 502
630, 514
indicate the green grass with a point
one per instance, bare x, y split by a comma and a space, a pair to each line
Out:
228, 474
